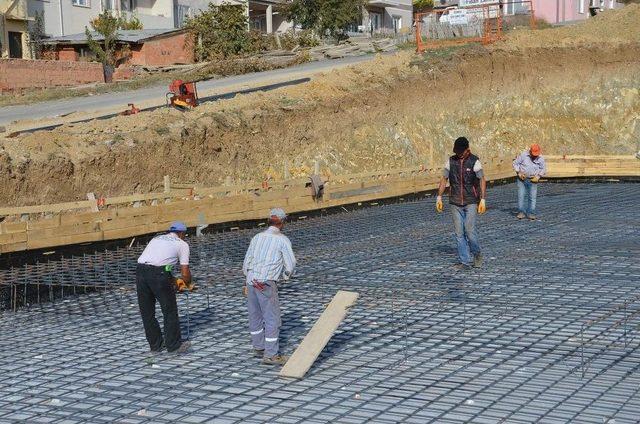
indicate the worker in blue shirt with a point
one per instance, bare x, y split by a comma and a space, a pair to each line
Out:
529, 167
269, 257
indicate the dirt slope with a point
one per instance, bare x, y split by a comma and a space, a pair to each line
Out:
398, 111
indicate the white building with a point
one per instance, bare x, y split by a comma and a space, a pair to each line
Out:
64, 17
264, 15
387, 16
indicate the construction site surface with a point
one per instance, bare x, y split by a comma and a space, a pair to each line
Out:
546, 331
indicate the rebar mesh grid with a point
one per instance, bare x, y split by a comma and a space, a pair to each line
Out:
546, 331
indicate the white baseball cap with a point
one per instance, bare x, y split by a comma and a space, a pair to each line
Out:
278, 213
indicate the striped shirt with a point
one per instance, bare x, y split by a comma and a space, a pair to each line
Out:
268, 254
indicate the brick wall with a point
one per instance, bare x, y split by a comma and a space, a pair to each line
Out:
163, 51
21, 73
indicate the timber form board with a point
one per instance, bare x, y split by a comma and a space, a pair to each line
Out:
319, 335
46, 226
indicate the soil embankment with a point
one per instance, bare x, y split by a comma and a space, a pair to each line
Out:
571, 97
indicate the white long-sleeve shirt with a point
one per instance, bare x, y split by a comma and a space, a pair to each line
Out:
268, 255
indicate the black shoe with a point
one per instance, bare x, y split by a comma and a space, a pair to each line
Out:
258, 353
184, 347
461, 267
159, 350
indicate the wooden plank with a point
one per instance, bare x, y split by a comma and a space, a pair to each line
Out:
128, 222
13, 247
83, 218
64, 240
58, 207
174, 194
44, 223
13, 227
63, 230
120, 233
320, 334
143, 211
13, 238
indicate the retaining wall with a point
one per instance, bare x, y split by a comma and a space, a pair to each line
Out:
18, 74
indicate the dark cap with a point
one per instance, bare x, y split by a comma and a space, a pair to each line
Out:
461, 144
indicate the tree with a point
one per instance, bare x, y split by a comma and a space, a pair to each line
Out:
326, 17
36, 35
422, 4
220, 32
107, 25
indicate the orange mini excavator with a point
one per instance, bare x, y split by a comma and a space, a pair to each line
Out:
182, 95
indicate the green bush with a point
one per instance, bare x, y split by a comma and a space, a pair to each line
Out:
220, 32
326, 17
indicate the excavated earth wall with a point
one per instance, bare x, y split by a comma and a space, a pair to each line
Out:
394, 112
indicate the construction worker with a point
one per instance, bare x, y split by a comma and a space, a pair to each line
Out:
464, 172
529, 167
154, 281
268, 258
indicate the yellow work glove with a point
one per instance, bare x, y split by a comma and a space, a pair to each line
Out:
439, 204
522, 176
482, 207
245, 291
535, 178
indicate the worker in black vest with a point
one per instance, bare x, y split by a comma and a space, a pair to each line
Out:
467, 198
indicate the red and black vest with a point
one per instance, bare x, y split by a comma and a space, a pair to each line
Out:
465, 185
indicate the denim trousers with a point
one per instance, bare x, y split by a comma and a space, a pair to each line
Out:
464, 224
527, 192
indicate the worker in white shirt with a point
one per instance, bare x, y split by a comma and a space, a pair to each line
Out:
268, 258
155, 281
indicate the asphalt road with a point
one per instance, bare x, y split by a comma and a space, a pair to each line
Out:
107, 101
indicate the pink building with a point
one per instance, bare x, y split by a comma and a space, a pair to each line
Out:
552, 11
559, 11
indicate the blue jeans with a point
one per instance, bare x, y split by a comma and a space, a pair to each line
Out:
464, 224
527, 192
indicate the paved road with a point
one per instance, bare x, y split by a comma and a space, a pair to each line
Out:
53, 109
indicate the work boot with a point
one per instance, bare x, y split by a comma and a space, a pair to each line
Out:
461, 267
258, 353
275, 360
477, 260
520, 215
158, 351
184, 347
532, 217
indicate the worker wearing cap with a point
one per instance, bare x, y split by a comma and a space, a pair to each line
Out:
464, 172
268, 258
154, 281
529, 167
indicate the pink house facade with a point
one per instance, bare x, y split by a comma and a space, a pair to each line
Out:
552, 11
559, 11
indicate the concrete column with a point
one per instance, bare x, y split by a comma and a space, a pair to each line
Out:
270, 19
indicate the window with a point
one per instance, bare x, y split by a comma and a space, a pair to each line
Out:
128, 5
15, 45
511, 8
108, 5
397, 23
375, 21
82, 3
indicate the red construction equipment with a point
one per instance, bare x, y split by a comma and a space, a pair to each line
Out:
131, 111
182, 95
